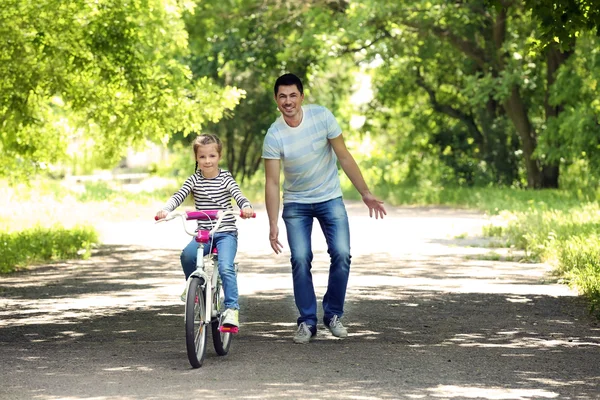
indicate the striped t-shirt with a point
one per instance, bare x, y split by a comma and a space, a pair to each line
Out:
211, 194
309, 162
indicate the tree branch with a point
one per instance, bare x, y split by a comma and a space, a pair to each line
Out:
467, 47
467, 119
384, 33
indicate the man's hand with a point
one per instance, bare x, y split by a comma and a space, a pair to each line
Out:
274, 240
375, 206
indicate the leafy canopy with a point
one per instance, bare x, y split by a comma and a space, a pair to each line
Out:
110, 71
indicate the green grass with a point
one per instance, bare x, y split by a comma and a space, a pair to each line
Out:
50, 221
568, 239
40, 244
492, 200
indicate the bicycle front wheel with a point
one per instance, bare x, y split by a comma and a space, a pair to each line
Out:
221, 340
195, 329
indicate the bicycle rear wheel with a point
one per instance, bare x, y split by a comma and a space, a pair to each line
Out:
221, 340
195, 329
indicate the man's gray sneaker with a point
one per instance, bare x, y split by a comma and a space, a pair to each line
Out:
336, 327
305, 333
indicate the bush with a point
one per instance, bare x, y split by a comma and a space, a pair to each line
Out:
39, 244
579, 261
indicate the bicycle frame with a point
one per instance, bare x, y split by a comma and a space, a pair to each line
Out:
200, 272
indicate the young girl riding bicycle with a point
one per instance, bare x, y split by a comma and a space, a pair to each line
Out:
212, 189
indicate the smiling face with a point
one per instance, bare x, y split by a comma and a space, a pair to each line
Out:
289, 101
208, 158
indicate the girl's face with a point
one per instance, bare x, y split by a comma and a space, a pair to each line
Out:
208, 160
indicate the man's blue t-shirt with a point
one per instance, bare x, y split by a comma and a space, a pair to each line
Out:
309, 162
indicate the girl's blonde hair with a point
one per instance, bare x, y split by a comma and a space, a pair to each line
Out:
203, 140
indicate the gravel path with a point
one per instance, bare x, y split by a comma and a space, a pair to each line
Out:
432, 314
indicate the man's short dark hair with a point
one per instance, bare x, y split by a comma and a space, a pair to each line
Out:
288, 80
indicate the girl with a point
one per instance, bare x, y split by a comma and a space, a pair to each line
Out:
213, 189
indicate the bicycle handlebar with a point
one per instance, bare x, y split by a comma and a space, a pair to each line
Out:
204, 215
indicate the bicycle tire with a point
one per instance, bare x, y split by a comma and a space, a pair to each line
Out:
221, 340
195, 330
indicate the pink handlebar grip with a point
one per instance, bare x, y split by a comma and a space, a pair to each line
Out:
253, 215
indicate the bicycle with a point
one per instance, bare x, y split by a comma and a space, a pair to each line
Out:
203, 302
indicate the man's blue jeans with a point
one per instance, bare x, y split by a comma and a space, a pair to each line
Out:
226, 244
333, 219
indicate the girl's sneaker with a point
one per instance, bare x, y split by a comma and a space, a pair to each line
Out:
230, 318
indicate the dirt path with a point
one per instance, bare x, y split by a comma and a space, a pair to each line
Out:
430, 316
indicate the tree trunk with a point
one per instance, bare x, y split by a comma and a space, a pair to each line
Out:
554, 59
517, 112
550, 175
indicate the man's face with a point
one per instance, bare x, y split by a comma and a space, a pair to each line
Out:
289, 100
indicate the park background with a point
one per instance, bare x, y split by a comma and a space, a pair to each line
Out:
491, 105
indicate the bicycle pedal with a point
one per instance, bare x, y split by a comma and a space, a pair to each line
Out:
228, 329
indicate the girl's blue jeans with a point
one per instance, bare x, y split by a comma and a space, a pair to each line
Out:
333, 219
226, 243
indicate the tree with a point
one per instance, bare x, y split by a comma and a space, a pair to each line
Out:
575, 91
113, 70
479, 63
248, 44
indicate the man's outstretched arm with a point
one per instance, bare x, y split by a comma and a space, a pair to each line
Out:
351, 169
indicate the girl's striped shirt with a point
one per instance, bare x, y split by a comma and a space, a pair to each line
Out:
211, 194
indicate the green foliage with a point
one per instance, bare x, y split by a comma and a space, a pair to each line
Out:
469, 83
579, 262
43, 244
112, 72
576, 90
563, 21
250, 43
439, 88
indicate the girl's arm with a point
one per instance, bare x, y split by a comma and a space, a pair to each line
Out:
177, 198
236, 193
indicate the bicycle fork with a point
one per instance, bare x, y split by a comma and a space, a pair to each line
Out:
205, 318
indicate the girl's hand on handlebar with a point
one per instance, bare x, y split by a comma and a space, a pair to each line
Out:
247, 212
161, 214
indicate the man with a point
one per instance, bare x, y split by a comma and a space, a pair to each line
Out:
308, 141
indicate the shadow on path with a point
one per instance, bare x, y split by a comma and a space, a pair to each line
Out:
423, 327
